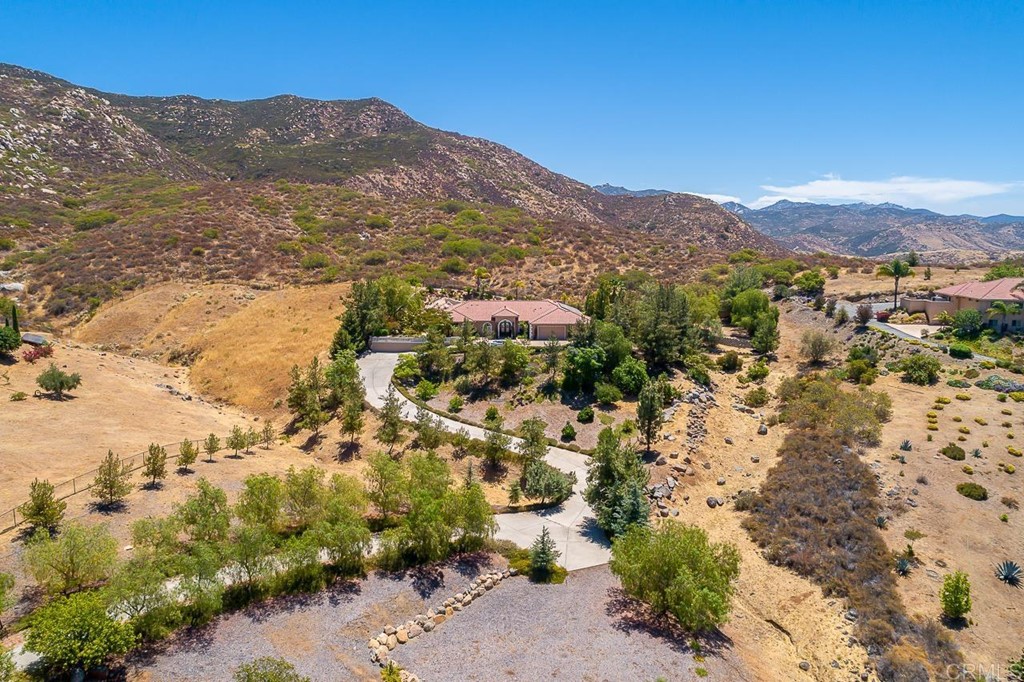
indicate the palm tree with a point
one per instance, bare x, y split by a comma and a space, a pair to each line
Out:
517, 287
897, 270
480, 274
1003, 309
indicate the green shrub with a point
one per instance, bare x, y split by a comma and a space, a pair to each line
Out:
568, 432
586, 415
955, 595
315, 261
426, 389
456, 404
920, 369
959, 350
757, 397
730, 361
963, 396
607, 394
954, 452
378, 221
758, 371
972, 491
93, 219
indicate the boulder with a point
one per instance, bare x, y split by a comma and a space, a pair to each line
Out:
428, 626
721, 480
389, 629
415, 631
805, 666
712, 502
402, 636
392, 642
762, 430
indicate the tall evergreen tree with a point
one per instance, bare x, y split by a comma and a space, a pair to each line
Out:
390, 430
112, 482
543, 555
649, 416
154, 464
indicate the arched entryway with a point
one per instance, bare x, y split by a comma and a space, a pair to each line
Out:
505, 329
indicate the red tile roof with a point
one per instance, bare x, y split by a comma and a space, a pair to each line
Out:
545, 311
1005, 289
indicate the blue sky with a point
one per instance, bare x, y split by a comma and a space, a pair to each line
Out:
914, 102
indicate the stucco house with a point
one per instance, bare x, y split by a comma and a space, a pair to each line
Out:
537, 320
977, 295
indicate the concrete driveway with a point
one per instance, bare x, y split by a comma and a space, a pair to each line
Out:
571, 524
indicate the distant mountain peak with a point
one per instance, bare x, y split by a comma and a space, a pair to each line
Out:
616, 191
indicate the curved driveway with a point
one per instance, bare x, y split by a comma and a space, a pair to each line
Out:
571, 524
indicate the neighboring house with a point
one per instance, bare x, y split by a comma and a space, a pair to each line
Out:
510, 319
977, 295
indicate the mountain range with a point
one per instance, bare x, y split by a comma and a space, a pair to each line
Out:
880, 230
102, 192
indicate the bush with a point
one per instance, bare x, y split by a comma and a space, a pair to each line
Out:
426, 389
920, 369
268, 669
757, 397
861, 372
955, 595
586, 415
10, 340
607, 394
815, 346
954, 452
864, 314
315, 261
675, 569
568, 433
758, 371
630, 376
456, 404
76, 632
730, 361
93, 219
972, 491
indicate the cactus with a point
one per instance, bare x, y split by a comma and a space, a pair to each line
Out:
1009, 572
976, 452
903, 566
906, 446
881, 521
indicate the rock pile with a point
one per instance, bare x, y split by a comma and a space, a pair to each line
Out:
391, 636
701, 400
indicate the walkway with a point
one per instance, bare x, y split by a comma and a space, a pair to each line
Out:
571, 524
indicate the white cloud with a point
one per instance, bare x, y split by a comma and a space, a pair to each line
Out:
907, 190
720, 198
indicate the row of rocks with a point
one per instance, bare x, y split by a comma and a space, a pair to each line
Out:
391, 636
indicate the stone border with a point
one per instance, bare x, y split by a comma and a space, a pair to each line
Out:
391, 636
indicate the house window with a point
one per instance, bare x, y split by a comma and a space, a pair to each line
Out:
488, 329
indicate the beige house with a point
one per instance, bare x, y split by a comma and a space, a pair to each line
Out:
978, 296
509, 319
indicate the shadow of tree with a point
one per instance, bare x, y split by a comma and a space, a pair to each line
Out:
632, 615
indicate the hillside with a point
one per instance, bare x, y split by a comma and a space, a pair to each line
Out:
103, 193
876, 230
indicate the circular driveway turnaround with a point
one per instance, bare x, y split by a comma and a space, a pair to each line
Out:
571, 524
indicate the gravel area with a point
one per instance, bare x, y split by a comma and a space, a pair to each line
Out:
323, 635
583, 630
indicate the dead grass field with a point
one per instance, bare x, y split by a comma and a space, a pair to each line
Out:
852, 281
241, 341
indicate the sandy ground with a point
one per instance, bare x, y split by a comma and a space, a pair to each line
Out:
853, 282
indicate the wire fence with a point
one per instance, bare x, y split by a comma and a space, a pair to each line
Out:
12, 518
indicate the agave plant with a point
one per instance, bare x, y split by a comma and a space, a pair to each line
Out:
1009, 572
903, 566
906, 446
976, 452
881, 521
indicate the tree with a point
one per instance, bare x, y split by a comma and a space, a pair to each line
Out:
10, 340
7, 599
200, 585
252, 438
268, 669
42, 510
138, 588
582, 367
864, 314
913, 259
897, 269
552, 353
675, 569
815, 346
77, 633
630, 375
205, 516
304, 495
261, 502
250, 552
481, 361
236, 440
113, 481
390, 430
156, 538
543, 555
649, 416
496, 443
14, 319
7, 667
187, 454
967, 323
471, 517
1004, 310
352, 419
212, 446
616, 479
77, 557
765, 339
307, 394
154, 464
515, 360
386, 484
810, 282
746, 307
533, 443
268, 434
480, 275
57, 382
546, 483
955, 595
